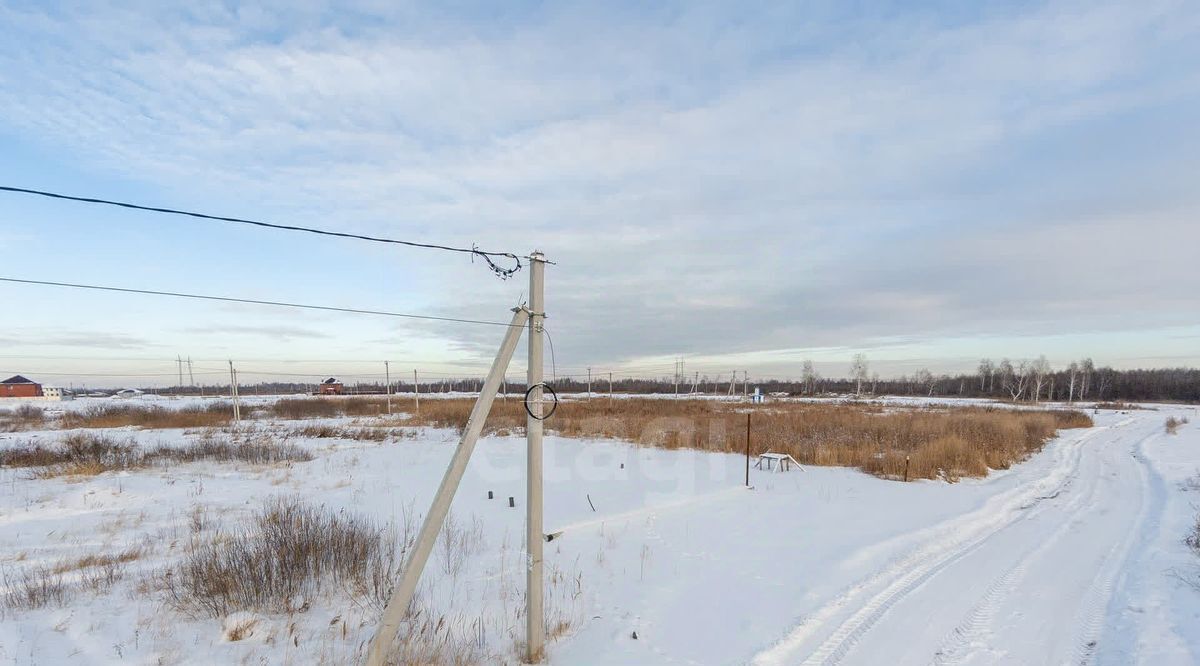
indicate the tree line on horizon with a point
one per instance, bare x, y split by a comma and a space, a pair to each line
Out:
1022, 380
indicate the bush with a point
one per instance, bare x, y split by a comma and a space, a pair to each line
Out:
120, 415
40, 585
90, 453
304, 408
286, 550
23, 417
309, 408
259, 451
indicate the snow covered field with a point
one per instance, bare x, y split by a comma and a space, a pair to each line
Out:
1075, 556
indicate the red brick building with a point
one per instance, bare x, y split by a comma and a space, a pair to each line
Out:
20, 387
331, 386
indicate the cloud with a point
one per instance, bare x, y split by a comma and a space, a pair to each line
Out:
280, 332
800, 177
76, 339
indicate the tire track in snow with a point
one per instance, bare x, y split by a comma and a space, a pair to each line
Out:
966, 639
950, 542
1092, 613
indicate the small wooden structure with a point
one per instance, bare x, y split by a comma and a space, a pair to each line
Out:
781, 462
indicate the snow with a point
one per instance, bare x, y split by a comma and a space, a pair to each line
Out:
1073, 556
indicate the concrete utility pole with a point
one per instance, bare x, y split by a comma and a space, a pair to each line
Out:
233, 391
534, 627
191, 377
416, 391
387, 388
398, 605
179, 366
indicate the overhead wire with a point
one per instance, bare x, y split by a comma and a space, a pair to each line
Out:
251, 301
474, 251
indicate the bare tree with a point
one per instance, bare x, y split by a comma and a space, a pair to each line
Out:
986, 369
1086, 368
1073, 373
809, 377
859, 370
925, 379
1016, 379
1040, 370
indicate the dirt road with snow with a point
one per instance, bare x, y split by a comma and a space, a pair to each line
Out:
1082, 565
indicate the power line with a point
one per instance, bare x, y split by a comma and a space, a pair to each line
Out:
107, 374
229, 299
473, 251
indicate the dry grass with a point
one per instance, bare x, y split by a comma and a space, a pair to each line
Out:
286, 551
118, 415
1118, 406
947, 443
46, 585
1193, 539
326, 431
211, 415
89, 454
23, 417
305, 408
437, 640
1173, 424
313, 408
95, 560
254, 450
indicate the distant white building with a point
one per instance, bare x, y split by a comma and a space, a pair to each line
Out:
57, 393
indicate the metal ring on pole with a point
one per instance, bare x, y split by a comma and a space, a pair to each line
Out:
545, 387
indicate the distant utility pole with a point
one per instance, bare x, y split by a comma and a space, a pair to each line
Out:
416, 391
610, 387
732, 383
387, 375
179, 367
233, 391
191, 377
745, 383
695, 383
589, 383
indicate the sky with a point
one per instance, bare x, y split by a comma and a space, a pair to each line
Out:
741, 185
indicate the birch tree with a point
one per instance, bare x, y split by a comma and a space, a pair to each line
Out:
859, 370
1014, 379
809, 376
986, 368
1039, 370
